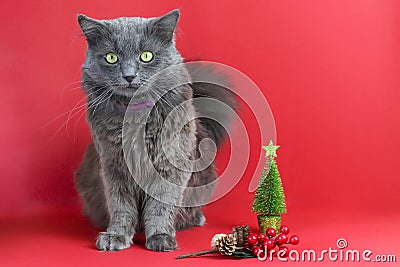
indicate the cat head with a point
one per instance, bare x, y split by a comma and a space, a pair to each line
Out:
124, 53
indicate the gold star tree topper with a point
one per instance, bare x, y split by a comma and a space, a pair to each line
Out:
270, 150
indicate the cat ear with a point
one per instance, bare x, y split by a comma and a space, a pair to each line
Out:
165, 25
91, 28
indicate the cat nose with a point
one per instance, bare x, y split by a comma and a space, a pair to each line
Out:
129, 78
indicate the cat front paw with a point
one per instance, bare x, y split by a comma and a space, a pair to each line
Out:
161, 242
111, 242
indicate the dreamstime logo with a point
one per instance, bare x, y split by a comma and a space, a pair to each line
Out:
341, 243
172, 142
340, 253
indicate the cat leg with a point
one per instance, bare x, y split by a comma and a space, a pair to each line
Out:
123, 213
159, 225
160, 209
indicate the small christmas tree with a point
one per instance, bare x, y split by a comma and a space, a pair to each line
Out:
269, 199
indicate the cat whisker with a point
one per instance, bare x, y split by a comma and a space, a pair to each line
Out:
72, 89
165, 101
90, 105
62, 125
76, 110
72, 83
103, 99
69, 116
76, 123
66, 112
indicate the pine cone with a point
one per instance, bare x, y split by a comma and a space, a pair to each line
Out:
241, 233
226, 244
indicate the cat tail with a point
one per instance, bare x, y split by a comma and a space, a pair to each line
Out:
215, 116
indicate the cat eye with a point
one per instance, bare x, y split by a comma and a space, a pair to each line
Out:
146, 56
111, 58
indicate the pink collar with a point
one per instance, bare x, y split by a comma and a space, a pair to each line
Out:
142, 105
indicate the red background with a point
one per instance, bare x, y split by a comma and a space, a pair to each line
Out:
329, 69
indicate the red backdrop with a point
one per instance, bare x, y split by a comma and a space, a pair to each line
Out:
329, 70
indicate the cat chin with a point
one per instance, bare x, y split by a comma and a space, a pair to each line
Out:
120, 100
122, 104
124, 92
119, 106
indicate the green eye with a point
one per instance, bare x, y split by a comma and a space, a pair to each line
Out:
146, 56
111, 58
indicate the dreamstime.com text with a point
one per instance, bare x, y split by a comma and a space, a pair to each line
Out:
340, 253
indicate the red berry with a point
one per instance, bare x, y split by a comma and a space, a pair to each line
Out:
269, 244
261, 238
294, 240
281, 239
252, 239
257, 251
284, 230
271, 232
283, 251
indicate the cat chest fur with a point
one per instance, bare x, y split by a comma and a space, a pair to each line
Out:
147, 152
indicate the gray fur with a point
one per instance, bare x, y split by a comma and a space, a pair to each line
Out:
112, 197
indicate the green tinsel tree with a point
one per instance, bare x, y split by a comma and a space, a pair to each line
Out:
269, 199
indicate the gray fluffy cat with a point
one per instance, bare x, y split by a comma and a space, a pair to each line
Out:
123, 55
